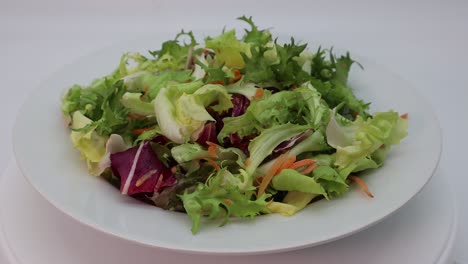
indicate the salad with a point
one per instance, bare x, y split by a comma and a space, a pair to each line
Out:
234, 127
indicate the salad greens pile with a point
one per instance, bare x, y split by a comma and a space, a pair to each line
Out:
236, 127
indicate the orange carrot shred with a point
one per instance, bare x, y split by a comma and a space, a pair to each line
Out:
228, 202
287, 163
212, 163
140, 131
212, 151
301, 163
257, 181
136, 116
174, 169
361, 183
404, 116
271, 172
309, 169
258, 93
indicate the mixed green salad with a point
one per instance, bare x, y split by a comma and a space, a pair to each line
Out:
234, 127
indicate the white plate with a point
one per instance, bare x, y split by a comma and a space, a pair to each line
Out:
47, 159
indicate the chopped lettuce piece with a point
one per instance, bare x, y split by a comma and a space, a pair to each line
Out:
292, 180
140, 170
220, 199
263, 145
173, 55
181, 116
91, 145
133, 102
228, 49
361, 138
333, 183
300, 106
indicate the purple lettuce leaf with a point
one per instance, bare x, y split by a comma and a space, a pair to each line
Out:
208, 134
240, 104
288, 144
149, 174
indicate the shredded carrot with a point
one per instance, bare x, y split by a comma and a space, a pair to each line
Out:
271, 172
287, 163
258, 93
361, 183
404, 116
212, 151
140, 131
188, 80
174, 169
257, 182
228, 202
301, 163
309, 169
212, 163
237, 76
136, 116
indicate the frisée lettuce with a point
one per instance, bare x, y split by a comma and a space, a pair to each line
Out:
234, 126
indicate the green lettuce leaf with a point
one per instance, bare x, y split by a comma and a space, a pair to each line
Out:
301, 106
247, 89
254, 35
292, 203
292, 180
263, 145
361, 138
173, 55
314, 142
228, 49
220, 199
91, 145
333, 183
181, 115
263, 65
133, 102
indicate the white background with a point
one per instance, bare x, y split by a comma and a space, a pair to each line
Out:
425, 42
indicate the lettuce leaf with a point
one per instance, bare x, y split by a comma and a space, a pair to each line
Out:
254, 35
184, 154
151, 83
181, 115
219, 198
333, 183
173, 55
91, 145
301, 106
228, 49
292, 180
263, 145
361, 138
133, 102
292, 203
140, 162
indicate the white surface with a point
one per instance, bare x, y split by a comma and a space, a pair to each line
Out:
421, 232
61, 177
422, 41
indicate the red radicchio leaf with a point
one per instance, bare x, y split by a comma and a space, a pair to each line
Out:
286, 145
240, 104
147, 166
208, 133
